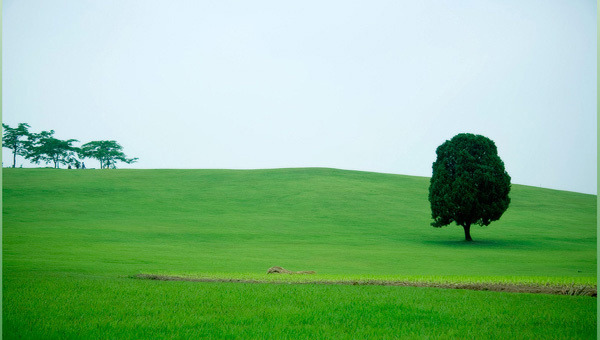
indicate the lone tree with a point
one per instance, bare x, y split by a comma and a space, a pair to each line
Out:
45, 148
469, 184
12, 139
108, 152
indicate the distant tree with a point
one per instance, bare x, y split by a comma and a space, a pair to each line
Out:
45, 148
469, 184
107, 152
16, 139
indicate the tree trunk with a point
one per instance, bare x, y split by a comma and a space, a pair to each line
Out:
14, 159
468, 232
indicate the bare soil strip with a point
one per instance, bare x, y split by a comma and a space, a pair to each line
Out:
494, 287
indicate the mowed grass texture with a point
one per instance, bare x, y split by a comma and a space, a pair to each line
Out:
71, 239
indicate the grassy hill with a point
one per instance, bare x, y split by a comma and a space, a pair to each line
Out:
68, 229
327, 220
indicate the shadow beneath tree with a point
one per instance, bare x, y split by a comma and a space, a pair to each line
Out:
506, 244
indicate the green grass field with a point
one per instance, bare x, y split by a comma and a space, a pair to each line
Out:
72, 239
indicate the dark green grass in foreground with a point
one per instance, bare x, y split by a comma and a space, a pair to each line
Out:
71, 239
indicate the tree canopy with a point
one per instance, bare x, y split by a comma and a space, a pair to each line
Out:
44, 147
469, 184
12, 139
107, 152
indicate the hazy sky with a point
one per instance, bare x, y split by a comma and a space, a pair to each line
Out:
364, 85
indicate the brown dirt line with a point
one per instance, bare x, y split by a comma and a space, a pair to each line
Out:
494, 287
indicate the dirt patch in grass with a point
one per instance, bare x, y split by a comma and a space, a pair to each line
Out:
279, 270
585, 290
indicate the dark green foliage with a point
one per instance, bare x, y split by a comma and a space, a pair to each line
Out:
12, 139
108, 152
469, 184
45, 148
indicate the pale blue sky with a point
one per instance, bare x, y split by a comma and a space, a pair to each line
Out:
365, 85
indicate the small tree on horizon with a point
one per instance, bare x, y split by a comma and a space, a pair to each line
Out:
469, 184
11, 139
107, 152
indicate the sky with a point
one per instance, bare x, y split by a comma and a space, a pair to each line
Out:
360, 85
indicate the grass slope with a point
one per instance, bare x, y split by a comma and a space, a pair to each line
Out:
331, 221
68, 229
